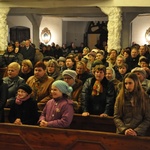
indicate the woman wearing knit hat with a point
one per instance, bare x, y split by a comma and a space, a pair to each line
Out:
141, 73
58, 111
69, 76
24, 109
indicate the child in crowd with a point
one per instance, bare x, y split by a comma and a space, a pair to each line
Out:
58, 111
24, 109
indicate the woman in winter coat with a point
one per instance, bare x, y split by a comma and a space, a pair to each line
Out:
24, 109
98, 94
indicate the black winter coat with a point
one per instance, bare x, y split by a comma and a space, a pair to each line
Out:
8, 57
3, 98
102, 103
27, 112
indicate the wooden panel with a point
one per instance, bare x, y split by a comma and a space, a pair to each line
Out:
62, 139
94, 123
92, 40
12, 140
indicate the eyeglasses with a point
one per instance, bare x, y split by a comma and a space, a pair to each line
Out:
67, 78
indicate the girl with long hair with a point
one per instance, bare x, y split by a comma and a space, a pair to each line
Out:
132, 108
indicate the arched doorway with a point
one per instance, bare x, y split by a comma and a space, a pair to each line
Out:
19, 33
96, 34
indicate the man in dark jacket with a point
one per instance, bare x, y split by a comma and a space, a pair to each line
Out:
28, 51
9, 56
132, 61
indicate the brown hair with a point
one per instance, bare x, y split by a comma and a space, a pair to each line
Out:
82, 64
123, 65
54, 63
140, 102
28, 63
100, 68
40, 64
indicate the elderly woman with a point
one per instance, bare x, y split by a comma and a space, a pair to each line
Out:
141, 73
69, 76
53, 69
40, 83
111, 76
13, 80
100, 55
98, 94
26, 69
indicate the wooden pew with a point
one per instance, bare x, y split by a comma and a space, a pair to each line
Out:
79, 122
13, 137
93, 123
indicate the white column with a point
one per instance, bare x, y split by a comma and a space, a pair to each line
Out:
114, 27
3, 28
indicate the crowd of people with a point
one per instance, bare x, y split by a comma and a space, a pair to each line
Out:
61, 81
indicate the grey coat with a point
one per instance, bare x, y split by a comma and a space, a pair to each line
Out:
13, 85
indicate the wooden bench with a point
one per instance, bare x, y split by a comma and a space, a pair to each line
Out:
93, 123
13, 137
79, 122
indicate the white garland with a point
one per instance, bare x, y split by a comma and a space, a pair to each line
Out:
114, 27
3, 28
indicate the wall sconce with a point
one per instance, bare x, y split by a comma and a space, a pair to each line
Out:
147, 35
45, 35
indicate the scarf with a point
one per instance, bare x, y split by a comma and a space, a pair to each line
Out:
97, 88
20, 100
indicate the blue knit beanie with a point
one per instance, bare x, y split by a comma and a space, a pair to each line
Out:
63, 86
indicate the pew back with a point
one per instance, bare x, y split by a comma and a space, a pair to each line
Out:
15, 137
92, 123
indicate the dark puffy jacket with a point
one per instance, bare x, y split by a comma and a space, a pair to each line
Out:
7, 58
3, 98
102, 103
